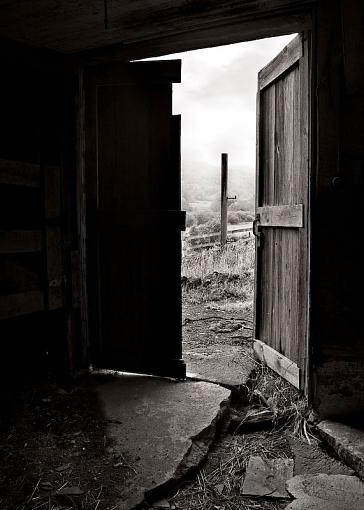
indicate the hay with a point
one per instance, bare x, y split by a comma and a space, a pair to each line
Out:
218, 484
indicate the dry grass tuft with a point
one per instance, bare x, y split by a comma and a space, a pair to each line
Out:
237, 258
288, 406
219, 484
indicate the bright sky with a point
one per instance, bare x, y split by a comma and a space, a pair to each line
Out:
216, 99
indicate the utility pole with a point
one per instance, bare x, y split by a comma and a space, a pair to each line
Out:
224, 198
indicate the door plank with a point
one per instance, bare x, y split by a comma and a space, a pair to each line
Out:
52, 196
281, 216
55, 274
281, 63
277, 362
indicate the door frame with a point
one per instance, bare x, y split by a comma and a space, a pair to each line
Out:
265, 24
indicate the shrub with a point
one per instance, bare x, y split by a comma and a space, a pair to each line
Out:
190, 219
203, 217
233, 218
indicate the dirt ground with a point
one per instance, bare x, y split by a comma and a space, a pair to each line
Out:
55, 453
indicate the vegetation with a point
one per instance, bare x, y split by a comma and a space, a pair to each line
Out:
208, 222
236, 259
217, 275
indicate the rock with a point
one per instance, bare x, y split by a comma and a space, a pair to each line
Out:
267, 477
326, 492
225, 327
347, 441
162, 503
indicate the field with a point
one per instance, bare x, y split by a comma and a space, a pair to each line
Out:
225, 275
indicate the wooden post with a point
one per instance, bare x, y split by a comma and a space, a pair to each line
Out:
224, 180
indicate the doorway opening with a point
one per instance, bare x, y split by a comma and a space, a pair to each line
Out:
217, 103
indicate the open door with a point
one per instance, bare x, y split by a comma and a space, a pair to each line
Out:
134, 221
282, 214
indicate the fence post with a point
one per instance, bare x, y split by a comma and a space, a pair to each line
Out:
224, 199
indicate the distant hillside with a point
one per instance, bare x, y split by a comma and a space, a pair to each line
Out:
201, 186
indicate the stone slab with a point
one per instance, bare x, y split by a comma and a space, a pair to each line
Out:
312, 460
347, 441
162, 429
267, 477
326, 492
229, 365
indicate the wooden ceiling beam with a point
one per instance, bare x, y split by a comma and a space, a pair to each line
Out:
72, 26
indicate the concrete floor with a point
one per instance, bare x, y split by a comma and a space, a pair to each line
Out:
161, 429
228, 365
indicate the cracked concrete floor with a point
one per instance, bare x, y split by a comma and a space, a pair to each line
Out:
162, 428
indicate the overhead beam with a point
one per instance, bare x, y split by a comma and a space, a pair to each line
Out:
73, 26
222, 32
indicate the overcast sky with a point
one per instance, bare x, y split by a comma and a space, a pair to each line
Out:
216, 99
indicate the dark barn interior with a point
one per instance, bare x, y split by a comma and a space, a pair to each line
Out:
54, 56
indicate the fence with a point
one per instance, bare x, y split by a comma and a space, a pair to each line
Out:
210, 240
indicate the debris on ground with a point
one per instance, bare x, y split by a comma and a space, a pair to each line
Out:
267, 477
54, 453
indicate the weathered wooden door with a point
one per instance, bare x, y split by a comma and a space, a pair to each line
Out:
134, 221
282, 213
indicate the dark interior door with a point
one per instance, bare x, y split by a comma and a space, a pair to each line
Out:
134, 220
282, 219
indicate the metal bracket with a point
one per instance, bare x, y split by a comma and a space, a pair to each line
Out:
256, 232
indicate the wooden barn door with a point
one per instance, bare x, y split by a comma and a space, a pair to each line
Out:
134, 221
282, 214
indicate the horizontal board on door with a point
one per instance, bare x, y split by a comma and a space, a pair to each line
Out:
281, 216
277, 362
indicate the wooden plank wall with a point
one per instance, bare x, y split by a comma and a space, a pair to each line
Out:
337, 261
37, 201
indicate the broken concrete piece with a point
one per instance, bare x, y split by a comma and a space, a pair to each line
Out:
347, 441
312, 460
326, 492
161, 427
267, 477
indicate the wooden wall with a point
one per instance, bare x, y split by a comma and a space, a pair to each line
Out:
38, 228
337, 257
